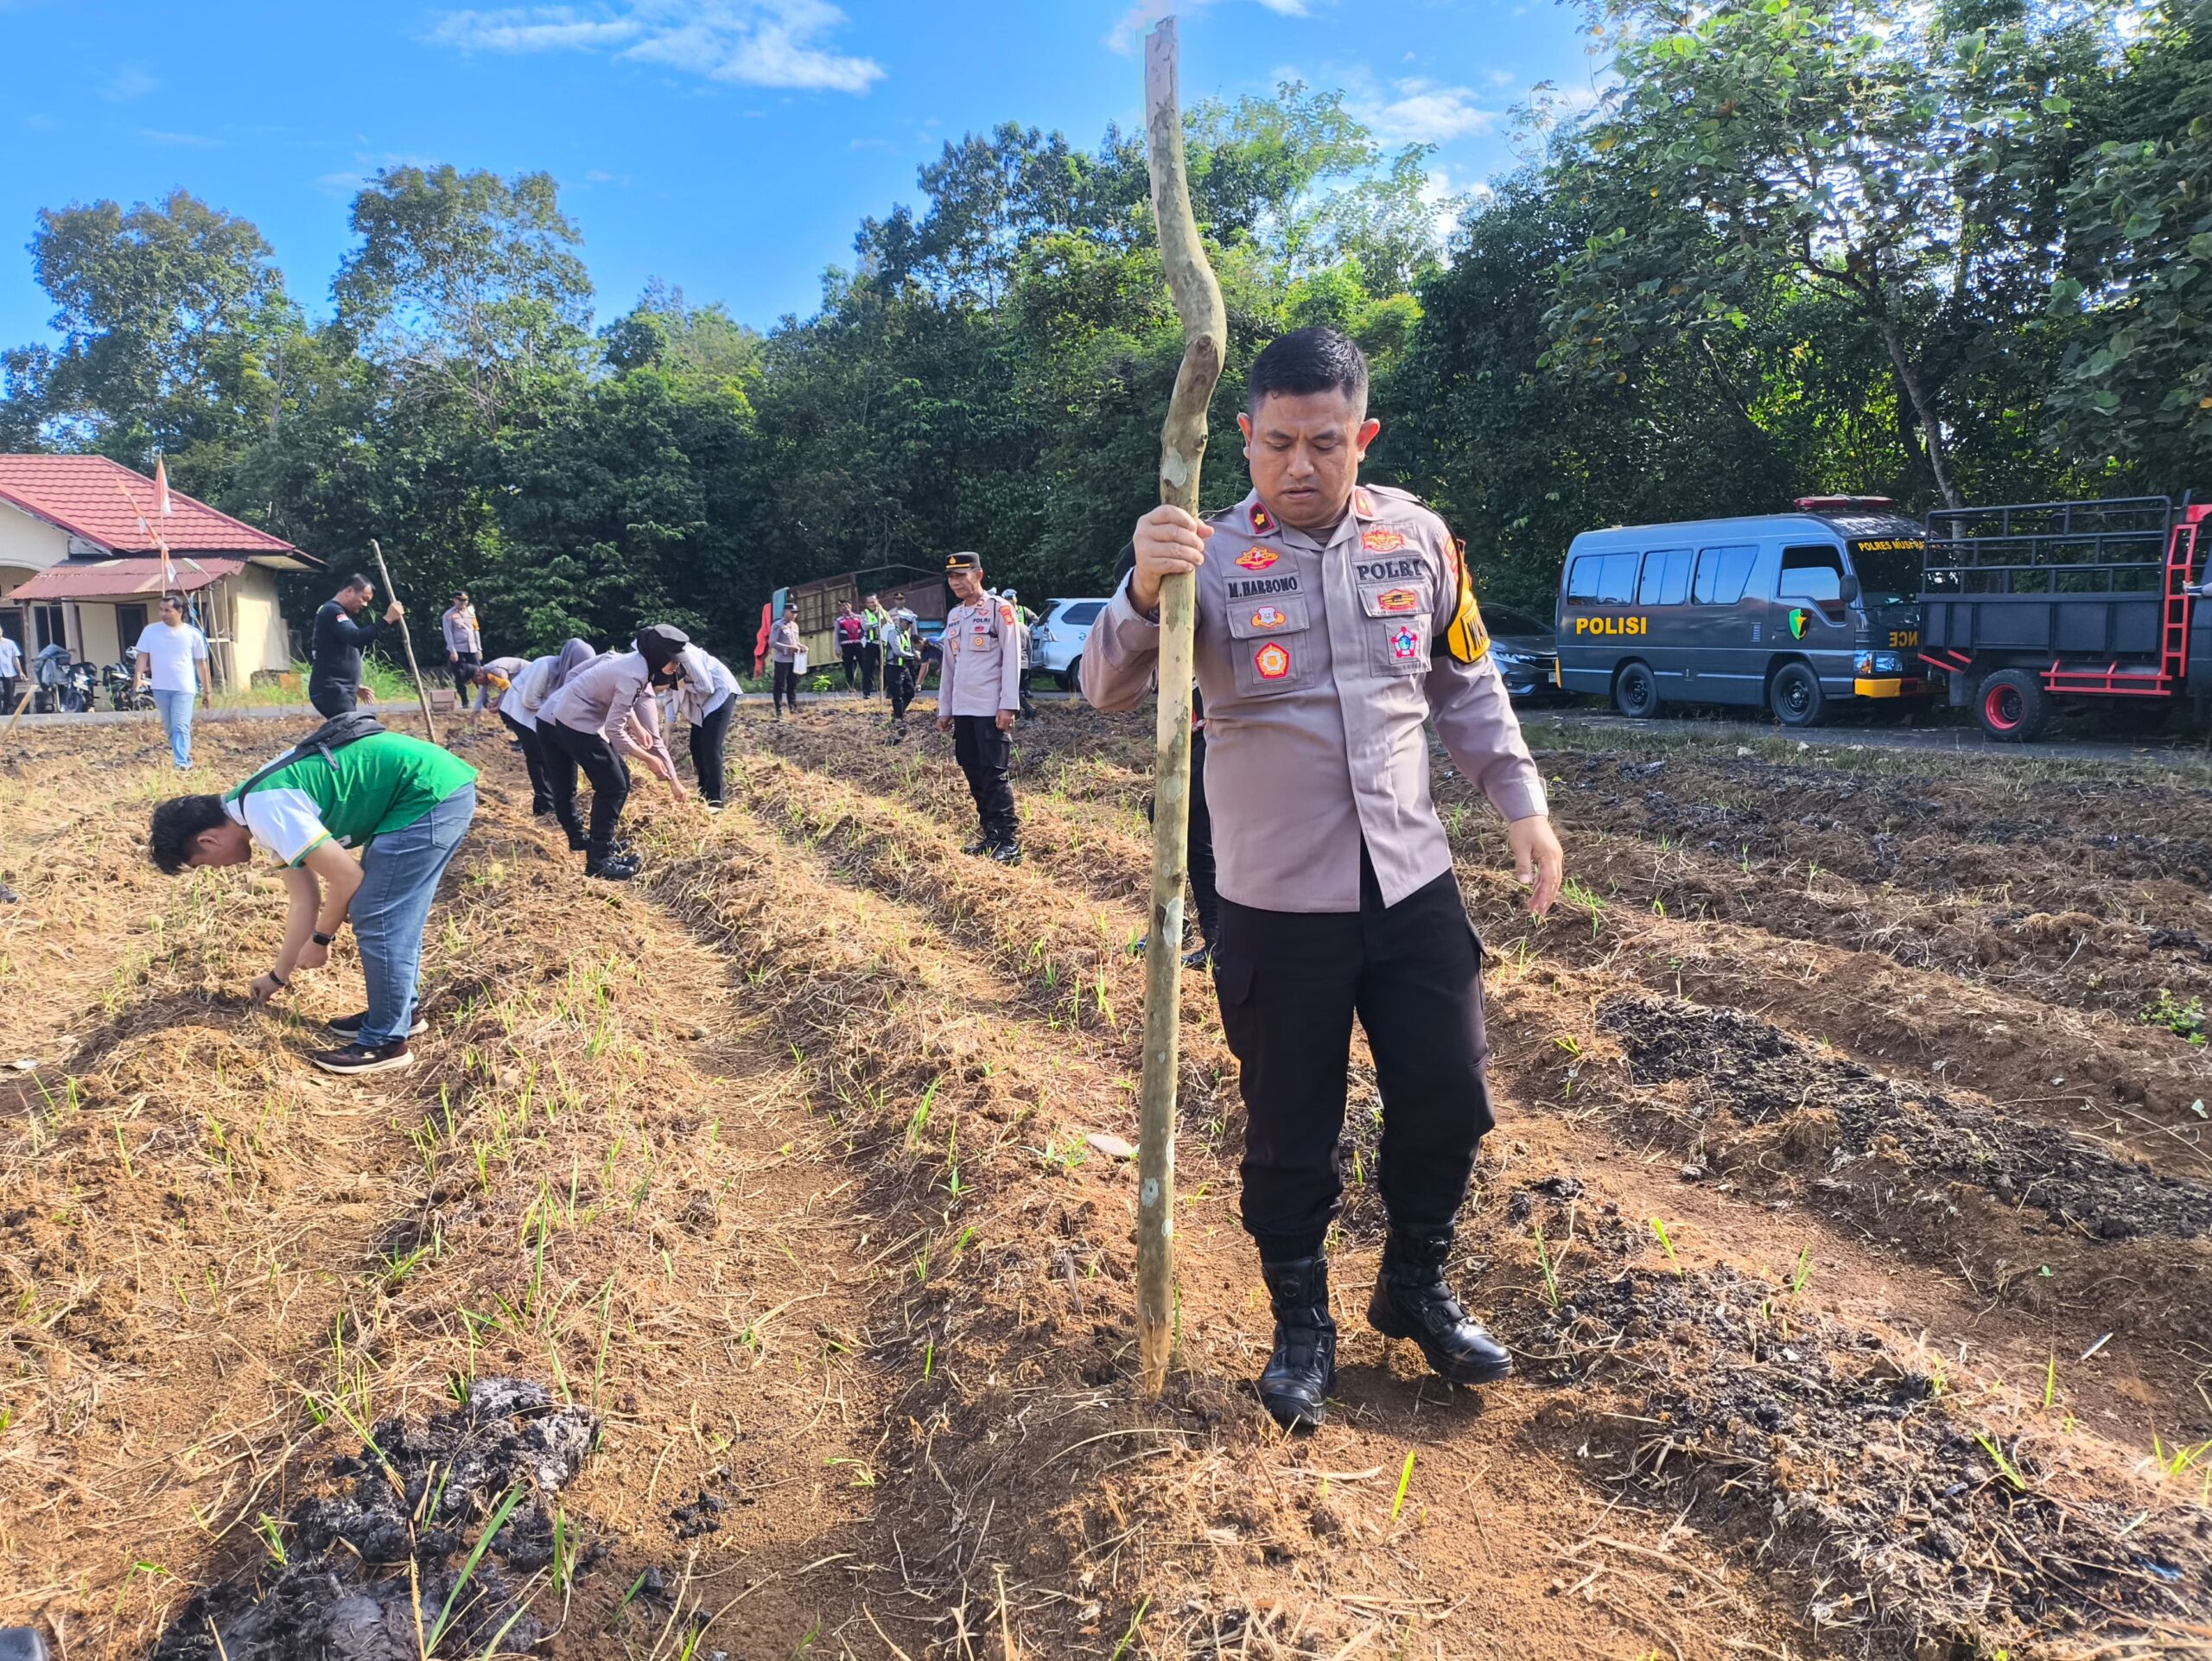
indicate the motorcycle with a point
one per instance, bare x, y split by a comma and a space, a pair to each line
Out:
121, 694
63, 686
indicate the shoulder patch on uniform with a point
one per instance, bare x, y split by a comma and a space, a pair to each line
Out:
1363, 502
1263, 522
1005, 612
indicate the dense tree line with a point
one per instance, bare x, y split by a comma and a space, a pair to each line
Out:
1958, 251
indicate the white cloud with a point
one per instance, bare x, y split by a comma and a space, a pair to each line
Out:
1136, 23
181, 140
1417, 112
130, 82
755, 42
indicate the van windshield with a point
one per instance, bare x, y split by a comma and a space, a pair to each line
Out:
1887, 575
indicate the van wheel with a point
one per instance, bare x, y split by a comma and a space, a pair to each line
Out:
1636, 693
1066, 678
1796, 697
2012, 706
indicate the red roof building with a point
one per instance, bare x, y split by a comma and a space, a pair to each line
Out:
82, 541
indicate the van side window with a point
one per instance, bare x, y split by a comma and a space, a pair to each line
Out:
1723, 574
1666, 577
1603, 580
1814, 573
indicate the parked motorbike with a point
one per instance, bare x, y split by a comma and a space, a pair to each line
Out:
121, 694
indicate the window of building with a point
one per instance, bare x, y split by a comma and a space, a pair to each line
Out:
1723, 574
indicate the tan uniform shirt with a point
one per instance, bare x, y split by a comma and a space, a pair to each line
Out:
1320, 661
982, 659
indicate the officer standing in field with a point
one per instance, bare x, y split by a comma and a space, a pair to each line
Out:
980, 699
1333, 619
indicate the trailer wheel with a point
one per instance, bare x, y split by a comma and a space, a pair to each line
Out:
2013, 707
1636, 691
1796, 697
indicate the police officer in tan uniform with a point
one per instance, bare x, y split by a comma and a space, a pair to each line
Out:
979, 700
1334, 620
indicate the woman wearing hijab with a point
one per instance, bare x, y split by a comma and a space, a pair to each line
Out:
528, 688
708, 695
604, 711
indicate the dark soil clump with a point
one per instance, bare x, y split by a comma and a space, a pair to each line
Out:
417, 1494
1910, 1518
1759, 1074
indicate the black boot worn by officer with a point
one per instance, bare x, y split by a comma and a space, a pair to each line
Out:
1412, 1300
1303, 1369
604, 863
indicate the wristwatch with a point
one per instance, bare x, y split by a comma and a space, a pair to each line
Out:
321, 938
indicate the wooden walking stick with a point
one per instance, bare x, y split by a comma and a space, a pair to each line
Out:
1182, 447
407, 641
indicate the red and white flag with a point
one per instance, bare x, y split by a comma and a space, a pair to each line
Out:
162, 488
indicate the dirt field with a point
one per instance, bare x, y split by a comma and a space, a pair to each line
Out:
735, 1276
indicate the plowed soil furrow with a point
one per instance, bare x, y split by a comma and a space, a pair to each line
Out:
1045, 842
781, 1163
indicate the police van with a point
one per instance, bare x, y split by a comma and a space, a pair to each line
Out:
1795, 612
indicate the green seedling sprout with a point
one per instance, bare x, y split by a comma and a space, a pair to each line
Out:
1131, 1636
468, 1568
1666, 1244
1803, 1272
1405, 1480
1544, 1262
2005, 1466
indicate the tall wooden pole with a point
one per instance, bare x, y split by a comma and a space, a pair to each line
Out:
407, 641
1182, 447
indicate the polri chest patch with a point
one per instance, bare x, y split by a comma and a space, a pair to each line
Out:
1405, 644
1398, 599
1271, 661
1269, 617
1257, 559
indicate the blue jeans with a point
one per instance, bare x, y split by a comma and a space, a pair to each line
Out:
176, 721
399, 878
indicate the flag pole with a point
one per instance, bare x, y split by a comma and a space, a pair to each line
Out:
1182, 447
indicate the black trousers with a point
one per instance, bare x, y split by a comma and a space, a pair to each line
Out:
871, 666
707, 739
785, 689
533, 757
464, 667
899, 684
1290, 983
986, 754
566, 750
8, 693
330, 699
851, 654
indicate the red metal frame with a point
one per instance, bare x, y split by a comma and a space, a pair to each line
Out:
2115, 679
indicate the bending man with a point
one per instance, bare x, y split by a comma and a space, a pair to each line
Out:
605, 711
405, 803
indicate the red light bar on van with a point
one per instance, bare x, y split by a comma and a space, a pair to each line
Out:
1817, 504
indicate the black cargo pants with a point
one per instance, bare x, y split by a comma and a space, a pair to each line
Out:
1290, 983
566, 750
986, 755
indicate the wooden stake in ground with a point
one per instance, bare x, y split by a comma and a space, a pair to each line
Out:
1182, 447
407, 641
31, 690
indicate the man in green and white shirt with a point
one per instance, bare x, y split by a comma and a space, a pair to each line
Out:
406, 804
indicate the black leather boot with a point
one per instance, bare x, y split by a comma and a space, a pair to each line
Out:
1412, 1300
601, 861
1303, 1369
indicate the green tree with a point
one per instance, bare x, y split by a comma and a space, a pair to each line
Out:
468, 277
174, 325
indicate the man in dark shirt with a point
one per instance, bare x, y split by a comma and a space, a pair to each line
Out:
339, 638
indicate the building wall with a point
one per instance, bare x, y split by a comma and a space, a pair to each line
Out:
263, 641
95, 632
29, 544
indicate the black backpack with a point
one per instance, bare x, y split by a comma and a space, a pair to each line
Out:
334, 734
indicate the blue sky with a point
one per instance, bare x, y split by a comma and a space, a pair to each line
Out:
730, 147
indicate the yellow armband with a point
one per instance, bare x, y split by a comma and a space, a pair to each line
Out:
1464, 638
